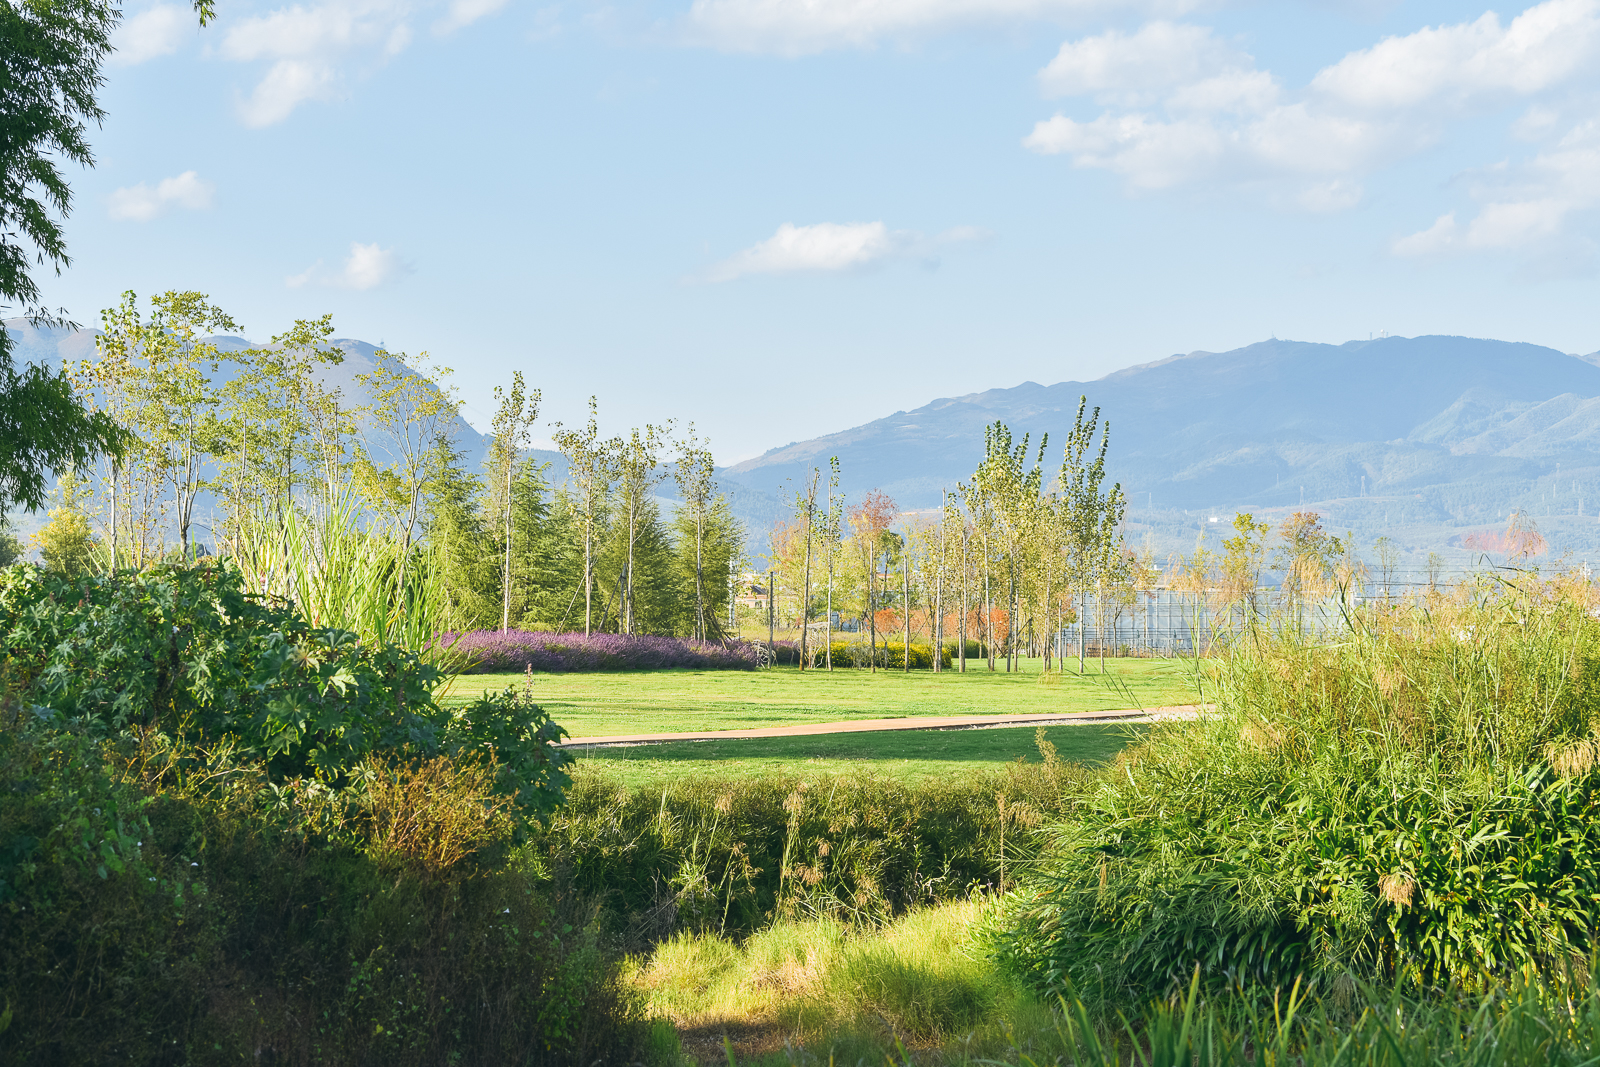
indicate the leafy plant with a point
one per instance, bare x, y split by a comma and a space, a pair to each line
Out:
1414, 803
186, 651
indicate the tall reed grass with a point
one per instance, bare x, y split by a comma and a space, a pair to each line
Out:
345, 574
1412, 800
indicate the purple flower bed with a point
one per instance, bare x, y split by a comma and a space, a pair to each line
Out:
493, 652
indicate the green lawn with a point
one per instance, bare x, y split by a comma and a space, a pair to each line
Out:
608, 703
911, 755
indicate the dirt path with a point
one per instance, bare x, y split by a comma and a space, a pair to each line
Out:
920, 722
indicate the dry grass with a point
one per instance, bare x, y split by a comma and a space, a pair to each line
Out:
433, 814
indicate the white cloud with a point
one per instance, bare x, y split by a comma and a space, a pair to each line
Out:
464, 13
366, 267
1184, 107
369, 266
290, 83
155, 32
308, 46
1337, 195
141, 203
305, 277
796, 27
834, 247
1130, 68
826, 246
1545, 45
1529, 208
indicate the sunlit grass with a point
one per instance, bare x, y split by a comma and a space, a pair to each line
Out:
625, 702
912, 756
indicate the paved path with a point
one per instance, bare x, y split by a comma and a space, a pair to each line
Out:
920, 722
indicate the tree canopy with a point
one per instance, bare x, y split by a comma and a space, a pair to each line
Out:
51, 52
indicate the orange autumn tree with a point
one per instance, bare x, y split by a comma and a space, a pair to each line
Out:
870, 540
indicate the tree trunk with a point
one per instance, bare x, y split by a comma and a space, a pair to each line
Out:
805, 610
505, 611
905, 601
872, 613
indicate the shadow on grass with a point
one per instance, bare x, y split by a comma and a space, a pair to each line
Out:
1079, 744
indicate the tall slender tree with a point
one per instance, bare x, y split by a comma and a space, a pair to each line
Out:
638, 473
693, 474
592, 468
514, 417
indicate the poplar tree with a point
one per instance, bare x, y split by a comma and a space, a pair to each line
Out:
518, 410
637, 475
592, 466
177, 405
407, 415
693, 474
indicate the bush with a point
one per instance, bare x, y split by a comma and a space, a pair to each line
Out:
183, 650
1413, 803
175, 928
492, 652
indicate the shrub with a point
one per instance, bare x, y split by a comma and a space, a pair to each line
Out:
186, 652
188, 928
1413, 802
889, 656
490, 651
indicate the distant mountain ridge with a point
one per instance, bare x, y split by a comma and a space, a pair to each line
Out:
1431, 434
1255, 425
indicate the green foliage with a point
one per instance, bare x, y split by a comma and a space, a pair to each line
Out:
657, 600
889, 655
186, 651
462, 542
1414, 804
732, 853
708, 545
66, 542
50, 57
142, 920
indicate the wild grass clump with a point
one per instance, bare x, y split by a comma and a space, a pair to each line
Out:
1412, 802
819, 985
493, 652
734, 854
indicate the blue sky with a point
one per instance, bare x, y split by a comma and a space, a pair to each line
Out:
780, 218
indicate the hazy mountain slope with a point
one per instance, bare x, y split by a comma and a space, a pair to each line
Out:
1256, 424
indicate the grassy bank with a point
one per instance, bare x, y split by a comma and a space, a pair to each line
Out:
922, 990
818, 988
913, 757
625, 702
733, 853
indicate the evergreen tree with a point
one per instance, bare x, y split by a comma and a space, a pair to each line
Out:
654, 595
558, 602
538, 588
463, 545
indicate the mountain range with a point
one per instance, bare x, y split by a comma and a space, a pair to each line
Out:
1422, 438
1430, 435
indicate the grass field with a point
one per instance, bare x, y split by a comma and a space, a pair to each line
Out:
626, 702
910, 755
